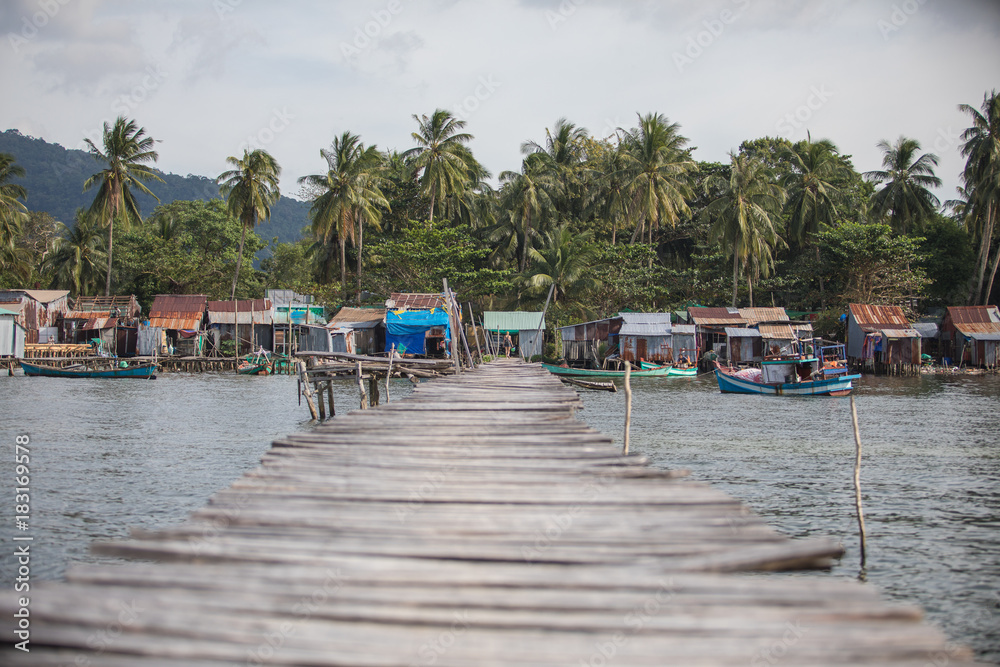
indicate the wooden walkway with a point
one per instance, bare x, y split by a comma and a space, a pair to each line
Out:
474, 523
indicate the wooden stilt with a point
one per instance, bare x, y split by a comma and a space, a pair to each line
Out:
329, 396
361, 388
628, 406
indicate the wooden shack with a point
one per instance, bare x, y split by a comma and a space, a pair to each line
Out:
582, 342
711, 323
248, 321
12, 335
418, 323
526, 329
744, 346
298, 323
646, 336
970, 335
881, 340
179, 318
39, 312
357, 330
112, 320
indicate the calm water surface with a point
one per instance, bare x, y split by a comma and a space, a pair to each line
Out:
930, 477
109, 455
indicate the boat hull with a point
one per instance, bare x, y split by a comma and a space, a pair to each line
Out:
39, 370
683, 371
586, 372
838, 386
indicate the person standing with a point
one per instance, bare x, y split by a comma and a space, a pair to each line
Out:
508, 343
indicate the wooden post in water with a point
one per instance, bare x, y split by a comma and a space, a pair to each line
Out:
319, 401
361, 388
373, 397
454, 324
307, 389
392, 354
472, 319
857, 479
628, 405
329, 396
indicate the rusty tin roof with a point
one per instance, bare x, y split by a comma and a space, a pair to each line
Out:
177, 311
875, 318
415, 301
715, 316
225, 312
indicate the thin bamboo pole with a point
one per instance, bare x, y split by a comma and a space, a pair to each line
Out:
628, 406
857, 479
361, 388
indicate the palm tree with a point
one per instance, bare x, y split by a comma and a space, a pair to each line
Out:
441, 156
904, 199
564, 261
13, 212
77, 255
250, 189
350, 193
563, 157
527, 197
745, 217
813, 187
609, 194
657, 169
982, 183
125, 150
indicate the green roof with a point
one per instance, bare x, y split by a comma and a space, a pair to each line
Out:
4, 311
514, 320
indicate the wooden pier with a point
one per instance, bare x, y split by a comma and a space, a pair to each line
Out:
472, 523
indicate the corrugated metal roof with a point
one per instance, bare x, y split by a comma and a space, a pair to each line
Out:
974, 314
777, 331
739, 332
646, 318
644, 329
973, 329
86, 307
285, 297
715, 316
926, 329
351, 315
983, 335
416, 301
684, 329
98, 323
225, 312
4, 311
873, 318
512, 320
754, 316
177, 311
39, 295
900, 333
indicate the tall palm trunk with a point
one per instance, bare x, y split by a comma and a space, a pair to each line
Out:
115, 195
360, 246
239, 261
984, 252
343, 264
736, 275
993, 275
432, 207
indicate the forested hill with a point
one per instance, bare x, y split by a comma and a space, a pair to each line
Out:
55, 176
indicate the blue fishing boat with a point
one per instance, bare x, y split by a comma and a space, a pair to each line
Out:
587, 372
105, 368
790, 376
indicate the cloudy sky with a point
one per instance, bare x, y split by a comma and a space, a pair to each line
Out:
208, 77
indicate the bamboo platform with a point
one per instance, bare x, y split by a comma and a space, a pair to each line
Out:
472, 523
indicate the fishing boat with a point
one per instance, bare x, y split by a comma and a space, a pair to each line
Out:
255, 364
671, 370
103, 368
587, 372
796, 375
596, 385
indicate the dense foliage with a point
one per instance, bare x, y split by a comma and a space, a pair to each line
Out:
603, 224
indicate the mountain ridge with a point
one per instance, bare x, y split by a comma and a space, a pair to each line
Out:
54, 177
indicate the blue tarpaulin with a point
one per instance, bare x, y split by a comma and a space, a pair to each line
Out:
406, 330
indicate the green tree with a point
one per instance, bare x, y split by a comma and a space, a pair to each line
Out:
657, 170
563, 158
125, 150
250, 189
194, 254
13, 212
630, 276
871, 265
904, 199
527, 197
982, 183
350, 194
745, 219
78, 255
565, 260
442, 157
948, 261
289, 266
